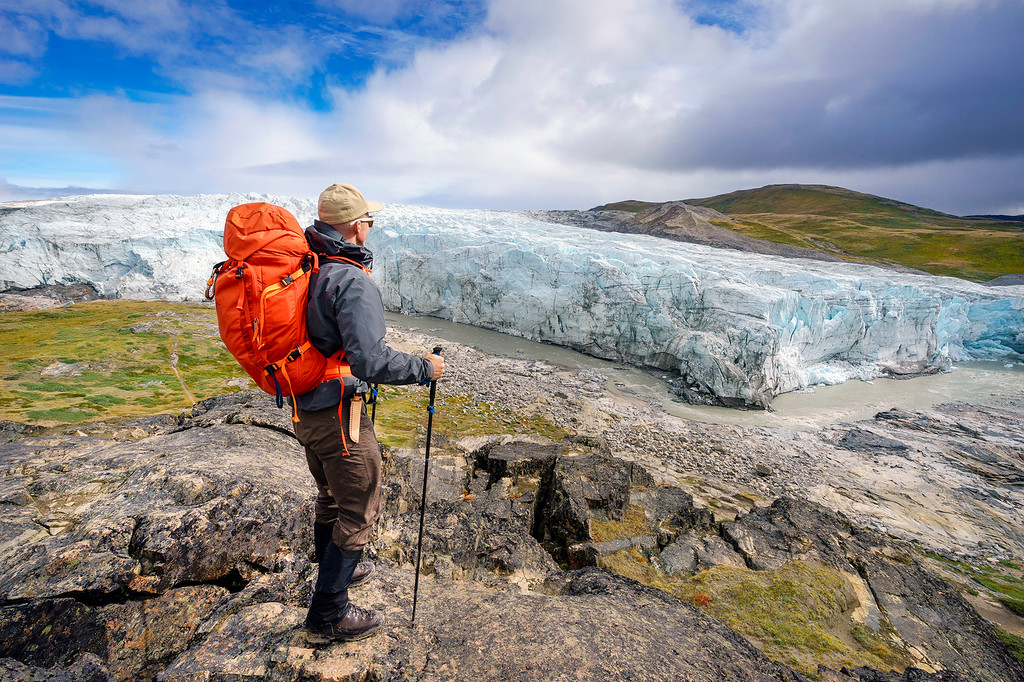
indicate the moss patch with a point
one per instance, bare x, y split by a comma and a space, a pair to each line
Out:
634, 523
799, 614
402, 417
1014, 644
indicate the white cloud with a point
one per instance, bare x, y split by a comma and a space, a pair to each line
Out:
23, 36
13, 72
378, 11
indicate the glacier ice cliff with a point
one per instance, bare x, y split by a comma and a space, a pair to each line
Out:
744, 327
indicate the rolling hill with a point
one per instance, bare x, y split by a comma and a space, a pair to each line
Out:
867, 228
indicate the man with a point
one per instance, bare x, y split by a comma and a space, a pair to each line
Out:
345, 317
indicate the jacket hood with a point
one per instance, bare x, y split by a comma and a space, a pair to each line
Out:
325, 239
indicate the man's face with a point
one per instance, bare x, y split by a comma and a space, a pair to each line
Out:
362, 229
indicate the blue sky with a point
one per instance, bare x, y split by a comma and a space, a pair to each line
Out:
515, 103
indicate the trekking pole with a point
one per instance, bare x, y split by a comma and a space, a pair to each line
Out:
373, 410
423, 498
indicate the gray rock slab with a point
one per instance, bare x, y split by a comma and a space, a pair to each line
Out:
242, 648
592, 625
862, 439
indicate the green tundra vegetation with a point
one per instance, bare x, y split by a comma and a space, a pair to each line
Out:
118, 360
866, 228
109, 360
1003, 582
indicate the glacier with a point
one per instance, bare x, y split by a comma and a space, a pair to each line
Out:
740, 326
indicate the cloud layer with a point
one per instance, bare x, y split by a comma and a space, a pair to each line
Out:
538, 103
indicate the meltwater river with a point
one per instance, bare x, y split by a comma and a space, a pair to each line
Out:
980, 383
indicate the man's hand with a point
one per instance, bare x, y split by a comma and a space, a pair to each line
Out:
437, 362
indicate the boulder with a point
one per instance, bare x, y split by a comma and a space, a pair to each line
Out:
671, 512
581, 487
517, 459
696, 552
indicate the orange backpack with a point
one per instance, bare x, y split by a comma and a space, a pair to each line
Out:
261, 295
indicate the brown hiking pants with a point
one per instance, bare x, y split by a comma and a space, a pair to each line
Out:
348, 486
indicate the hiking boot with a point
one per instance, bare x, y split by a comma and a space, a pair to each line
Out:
356, 624
364, 569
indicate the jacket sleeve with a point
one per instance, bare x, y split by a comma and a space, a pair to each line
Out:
359, 313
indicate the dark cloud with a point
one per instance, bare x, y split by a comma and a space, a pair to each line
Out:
926, 88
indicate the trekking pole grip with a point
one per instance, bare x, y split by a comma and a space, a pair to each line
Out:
433, 388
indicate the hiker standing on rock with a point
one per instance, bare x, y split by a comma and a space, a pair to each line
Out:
345, 318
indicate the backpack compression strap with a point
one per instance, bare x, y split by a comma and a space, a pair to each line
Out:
281, 366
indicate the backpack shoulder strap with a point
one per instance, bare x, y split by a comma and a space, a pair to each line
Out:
347, 260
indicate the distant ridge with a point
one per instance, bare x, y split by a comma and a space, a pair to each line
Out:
629, 205
1006, 218
815, 199
863, 227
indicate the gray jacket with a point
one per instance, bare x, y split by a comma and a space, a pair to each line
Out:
345, 310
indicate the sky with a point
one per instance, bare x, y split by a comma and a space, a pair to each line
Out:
515, 104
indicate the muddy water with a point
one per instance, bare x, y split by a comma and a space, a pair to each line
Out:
981, 383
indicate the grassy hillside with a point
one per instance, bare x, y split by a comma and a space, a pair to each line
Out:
859, 226
863, 227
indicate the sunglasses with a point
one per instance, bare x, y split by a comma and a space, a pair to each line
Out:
368, 221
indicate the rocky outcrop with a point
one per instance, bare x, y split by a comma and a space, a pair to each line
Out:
180, 550
926, 615
123, 548
45, 297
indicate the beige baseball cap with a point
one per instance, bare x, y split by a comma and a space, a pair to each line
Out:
342, 203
